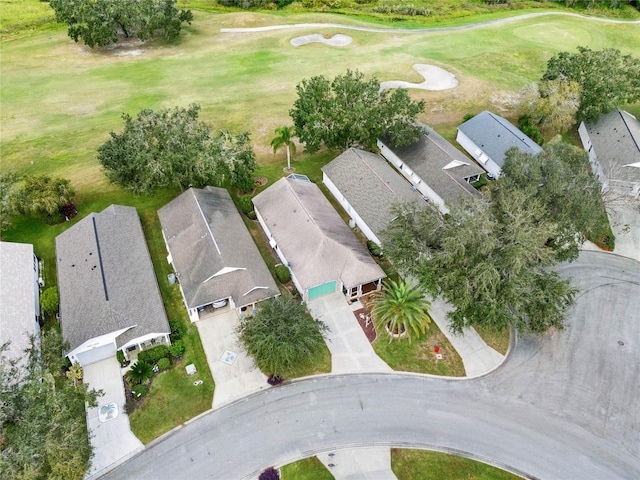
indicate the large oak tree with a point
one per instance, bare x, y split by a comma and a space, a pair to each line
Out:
350, 111
607, 79
492, 258
166, 147
102, 22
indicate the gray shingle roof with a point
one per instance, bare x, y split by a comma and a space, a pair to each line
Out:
18, 309
313, 237
206, 236
441, 165
495, 135
370, 185
616, 140
106, 280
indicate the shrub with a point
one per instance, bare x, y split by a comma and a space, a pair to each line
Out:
49, 301
141, 371
530, 130
54, 219
374, 249
153, 354
164, 364
467, 116
178, 330
282, 273
177, 349
252, 215
120, 357
269, 474
410, 10
139, 391
480, 183
69, 210
246, 204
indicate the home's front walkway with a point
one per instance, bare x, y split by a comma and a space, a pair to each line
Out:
477, 357
351, 352
371, 463
233, 370
110, 434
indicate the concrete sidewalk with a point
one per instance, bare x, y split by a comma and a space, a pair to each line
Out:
351, 352
233, 370
478, 357
371, 463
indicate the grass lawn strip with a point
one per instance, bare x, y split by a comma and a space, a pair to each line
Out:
427, 465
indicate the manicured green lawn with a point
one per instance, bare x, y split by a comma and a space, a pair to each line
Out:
426, 465
307, 469
419, 354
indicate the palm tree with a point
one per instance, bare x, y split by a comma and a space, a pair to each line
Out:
285, 137
141, 371
400, 308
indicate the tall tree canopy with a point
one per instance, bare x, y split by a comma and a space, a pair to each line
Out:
492, 258
43, 431
562, 180
282, 336
101, 22
171, 146
607, 78
351, 111
551, 104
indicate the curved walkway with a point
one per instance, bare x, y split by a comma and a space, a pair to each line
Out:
421, 30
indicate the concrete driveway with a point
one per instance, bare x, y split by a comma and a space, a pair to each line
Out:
232, 368
112, 440
351, 352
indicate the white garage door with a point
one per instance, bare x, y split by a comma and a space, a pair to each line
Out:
96, 354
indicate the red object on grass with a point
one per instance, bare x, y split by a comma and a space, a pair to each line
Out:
437, 349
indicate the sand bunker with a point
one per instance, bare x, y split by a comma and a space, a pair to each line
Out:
435, 78
337, 40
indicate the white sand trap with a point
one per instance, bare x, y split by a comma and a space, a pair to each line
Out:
435, 78
337, 40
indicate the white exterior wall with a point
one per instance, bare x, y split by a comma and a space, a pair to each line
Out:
362, 225
593, 158
418, 183
281, 256
471, 148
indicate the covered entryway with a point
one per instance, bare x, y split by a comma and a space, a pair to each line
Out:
324, 289
96, 354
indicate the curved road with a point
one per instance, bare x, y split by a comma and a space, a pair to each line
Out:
564, 406
421, 30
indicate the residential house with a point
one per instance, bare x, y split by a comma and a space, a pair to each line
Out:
19, 298
487, 137
310, 237
366, 186
215, 259
438, 170
109, 296
613, 143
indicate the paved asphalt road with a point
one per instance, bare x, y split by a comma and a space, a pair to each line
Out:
564, 406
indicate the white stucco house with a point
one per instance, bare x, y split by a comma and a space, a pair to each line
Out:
440, 172
613, 144
217, 263
366, 186
109, 296
487, 137
19, 298
310, 237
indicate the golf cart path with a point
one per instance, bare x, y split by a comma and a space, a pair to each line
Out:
423, 30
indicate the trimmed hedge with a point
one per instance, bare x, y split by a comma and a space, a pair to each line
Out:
374, 249
283, 273
153, 354
178, 329
164, 364
139, 391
